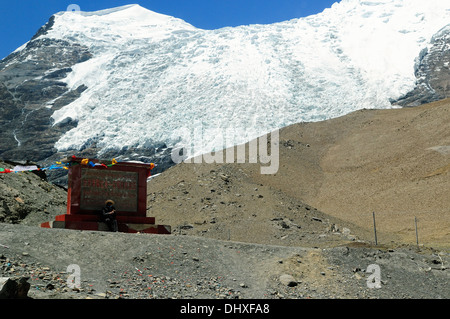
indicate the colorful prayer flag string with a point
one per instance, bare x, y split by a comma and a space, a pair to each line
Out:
61, 165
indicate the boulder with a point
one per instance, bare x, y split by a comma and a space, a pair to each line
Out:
14, 289
288, 280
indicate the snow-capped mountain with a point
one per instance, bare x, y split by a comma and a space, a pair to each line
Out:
132, 80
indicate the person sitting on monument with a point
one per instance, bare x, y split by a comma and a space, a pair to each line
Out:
109, 215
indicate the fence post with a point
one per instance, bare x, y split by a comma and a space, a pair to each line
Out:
375, 229
417, 234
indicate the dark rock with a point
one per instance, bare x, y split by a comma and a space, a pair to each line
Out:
284, 225
432, 71
14, 289
288, 280
23, 288
45, 28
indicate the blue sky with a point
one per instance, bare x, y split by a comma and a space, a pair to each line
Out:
20, 19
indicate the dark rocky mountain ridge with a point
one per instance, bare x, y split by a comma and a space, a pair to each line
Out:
432, 71
30, 91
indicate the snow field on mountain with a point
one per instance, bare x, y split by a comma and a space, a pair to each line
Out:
154, 77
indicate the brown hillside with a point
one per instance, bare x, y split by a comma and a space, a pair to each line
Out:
393, 162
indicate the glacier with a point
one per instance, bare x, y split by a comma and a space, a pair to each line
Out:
154, 78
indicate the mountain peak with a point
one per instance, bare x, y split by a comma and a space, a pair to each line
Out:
105, 11
128, 17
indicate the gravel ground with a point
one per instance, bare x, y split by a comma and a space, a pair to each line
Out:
143, 266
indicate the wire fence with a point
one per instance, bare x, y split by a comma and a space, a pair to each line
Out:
409, 229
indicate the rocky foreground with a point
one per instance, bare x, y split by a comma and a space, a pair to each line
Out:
131, 266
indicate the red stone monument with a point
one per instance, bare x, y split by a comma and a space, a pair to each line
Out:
91, 184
